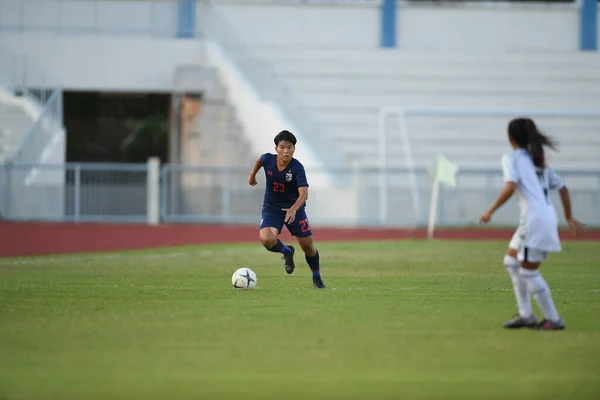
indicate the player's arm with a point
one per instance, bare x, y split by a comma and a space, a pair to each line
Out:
252, 178
556, 182
507, 192
566, 202
302, 197
565, 198
290, 214
511, 177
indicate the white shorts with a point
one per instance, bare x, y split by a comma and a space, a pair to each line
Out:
527, 254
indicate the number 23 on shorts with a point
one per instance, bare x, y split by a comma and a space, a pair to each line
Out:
304, 225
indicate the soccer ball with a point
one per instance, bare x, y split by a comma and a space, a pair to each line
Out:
244, 279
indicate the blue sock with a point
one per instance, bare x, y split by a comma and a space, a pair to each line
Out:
280, 248
313, 263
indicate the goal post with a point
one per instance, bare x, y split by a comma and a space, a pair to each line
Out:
383, 144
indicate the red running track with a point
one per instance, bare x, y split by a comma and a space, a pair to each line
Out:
26, 239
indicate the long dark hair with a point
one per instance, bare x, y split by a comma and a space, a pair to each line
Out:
525, 134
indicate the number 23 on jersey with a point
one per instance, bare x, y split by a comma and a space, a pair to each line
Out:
278, 187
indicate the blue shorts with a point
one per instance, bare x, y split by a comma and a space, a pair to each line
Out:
275, 219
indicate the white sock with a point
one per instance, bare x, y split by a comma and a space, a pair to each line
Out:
541, 292
519, 286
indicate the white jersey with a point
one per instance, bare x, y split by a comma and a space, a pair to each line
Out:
539, 221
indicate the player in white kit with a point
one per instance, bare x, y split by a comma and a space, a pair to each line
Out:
525, 172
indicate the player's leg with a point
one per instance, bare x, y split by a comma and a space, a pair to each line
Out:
531, 260
270, 227
301, 229
525, 317
312, 259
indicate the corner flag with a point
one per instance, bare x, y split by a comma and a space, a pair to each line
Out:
445, 172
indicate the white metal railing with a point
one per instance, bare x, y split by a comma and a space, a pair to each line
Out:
93, 192
21, 76
112, 192
43, 133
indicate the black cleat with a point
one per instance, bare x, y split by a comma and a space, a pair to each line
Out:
289, 261
521, 322
547, 325
318, 282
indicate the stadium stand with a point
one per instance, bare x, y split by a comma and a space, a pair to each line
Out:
345, 88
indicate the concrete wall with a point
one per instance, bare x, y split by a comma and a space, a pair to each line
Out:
93, 62
420, 26
100, 60
143, 17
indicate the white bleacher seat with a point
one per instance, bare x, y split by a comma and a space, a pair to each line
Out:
346, 87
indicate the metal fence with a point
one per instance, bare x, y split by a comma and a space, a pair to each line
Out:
74, 192
120, 193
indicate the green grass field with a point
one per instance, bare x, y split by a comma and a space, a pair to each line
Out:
400, 320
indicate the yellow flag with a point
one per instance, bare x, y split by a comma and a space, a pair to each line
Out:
445, 171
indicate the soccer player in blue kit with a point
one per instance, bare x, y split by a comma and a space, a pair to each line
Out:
286, 193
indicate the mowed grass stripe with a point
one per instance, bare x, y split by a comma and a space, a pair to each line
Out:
407, 319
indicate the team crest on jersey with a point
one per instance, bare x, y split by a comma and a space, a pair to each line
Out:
288, 176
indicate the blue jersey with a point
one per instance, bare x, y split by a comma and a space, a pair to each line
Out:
282, 186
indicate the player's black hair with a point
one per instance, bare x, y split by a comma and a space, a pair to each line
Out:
285, 136
525, 134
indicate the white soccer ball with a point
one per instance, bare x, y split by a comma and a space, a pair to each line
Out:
244, 279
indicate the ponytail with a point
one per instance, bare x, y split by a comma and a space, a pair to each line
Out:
526, 135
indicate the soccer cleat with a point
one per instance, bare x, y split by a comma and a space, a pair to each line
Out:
521, 322
547, 325
289, 261
318, 282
